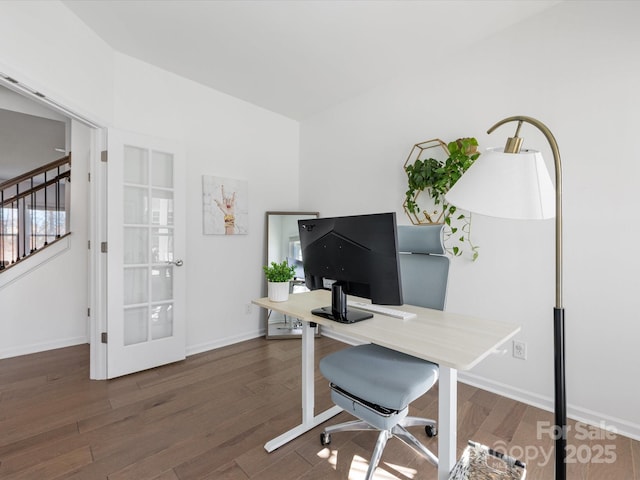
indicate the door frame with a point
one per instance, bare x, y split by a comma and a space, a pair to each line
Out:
97, 275
96, 217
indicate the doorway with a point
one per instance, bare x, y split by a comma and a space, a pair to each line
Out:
47, 300
125, 335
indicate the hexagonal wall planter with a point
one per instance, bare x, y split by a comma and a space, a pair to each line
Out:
429, 212
432, 168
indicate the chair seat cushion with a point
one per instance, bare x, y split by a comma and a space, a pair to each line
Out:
379, 375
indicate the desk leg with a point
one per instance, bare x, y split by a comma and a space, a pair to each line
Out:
308, 395
447, 421
308, 384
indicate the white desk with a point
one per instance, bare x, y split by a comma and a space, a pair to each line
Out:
454, 342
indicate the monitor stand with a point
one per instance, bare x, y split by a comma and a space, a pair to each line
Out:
338, 310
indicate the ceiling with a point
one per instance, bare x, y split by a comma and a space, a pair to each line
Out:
300, 57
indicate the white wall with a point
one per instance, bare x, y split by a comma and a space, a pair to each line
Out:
576, 68
48, 48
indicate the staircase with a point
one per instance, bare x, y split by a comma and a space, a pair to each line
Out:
34, 211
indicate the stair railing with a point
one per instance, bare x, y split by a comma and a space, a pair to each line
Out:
34, 211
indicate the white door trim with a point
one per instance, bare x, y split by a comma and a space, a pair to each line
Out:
97, 223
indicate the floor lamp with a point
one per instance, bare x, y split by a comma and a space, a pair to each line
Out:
514, 183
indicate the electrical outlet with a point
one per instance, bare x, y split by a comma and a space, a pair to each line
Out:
248, 309
519, 350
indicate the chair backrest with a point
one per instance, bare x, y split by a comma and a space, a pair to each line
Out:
424, 267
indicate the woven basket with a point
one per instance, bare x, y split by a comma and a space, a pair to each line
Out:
479, 462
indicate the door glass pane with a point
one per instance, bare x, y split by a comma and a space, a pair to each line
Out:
136, 286
136, 206
162, 245
161, 321
148, 238
136, 165
135, 325
161, 283
162, 207
162, 169
136, 245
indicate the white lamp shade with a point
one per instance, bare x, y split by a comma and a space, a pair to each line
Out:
506, 185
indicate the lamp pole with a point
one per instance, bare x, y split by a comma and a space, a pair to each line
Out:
513, 146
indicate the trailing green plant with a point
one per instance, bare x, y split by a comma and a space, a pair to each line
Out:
279, 272
436, 178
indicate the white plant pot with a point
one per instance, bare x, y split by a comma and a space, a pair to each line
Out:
278, 291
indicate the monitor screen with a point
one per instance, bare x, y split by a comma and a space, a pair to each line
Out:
354, 255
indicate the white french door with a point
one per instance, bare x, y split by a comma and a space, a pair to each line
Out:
145, 252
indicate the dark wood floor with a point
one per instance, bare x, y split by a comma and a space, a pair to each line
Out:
209, 416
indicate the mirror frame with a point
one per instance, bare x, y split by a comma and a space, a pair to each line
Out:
285, 327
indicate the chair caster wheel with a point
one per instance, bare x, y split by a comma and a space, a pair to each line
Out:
325, 439
431, 431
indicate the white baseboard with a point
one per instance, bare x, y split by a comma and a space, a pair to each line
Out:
42, 347
223, 342
590, 417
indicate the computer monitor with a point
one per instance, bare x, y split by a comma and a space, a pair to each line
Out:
354, 255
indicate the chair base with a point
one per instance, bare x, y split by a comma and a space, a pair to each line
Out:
399, 431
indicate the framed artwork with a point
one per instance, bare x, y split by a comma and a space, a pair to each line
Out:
224, 206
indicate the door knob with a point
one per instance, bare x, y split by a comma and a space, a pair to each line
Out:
177, 263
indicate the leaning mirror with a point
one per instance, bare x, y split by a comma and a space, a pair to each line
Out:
283, 243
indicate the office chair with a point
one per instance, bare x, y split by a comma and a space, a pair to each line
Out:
376, 384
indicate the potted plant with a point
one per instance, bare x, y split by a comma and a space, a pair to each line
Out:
436, 176
278, 277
